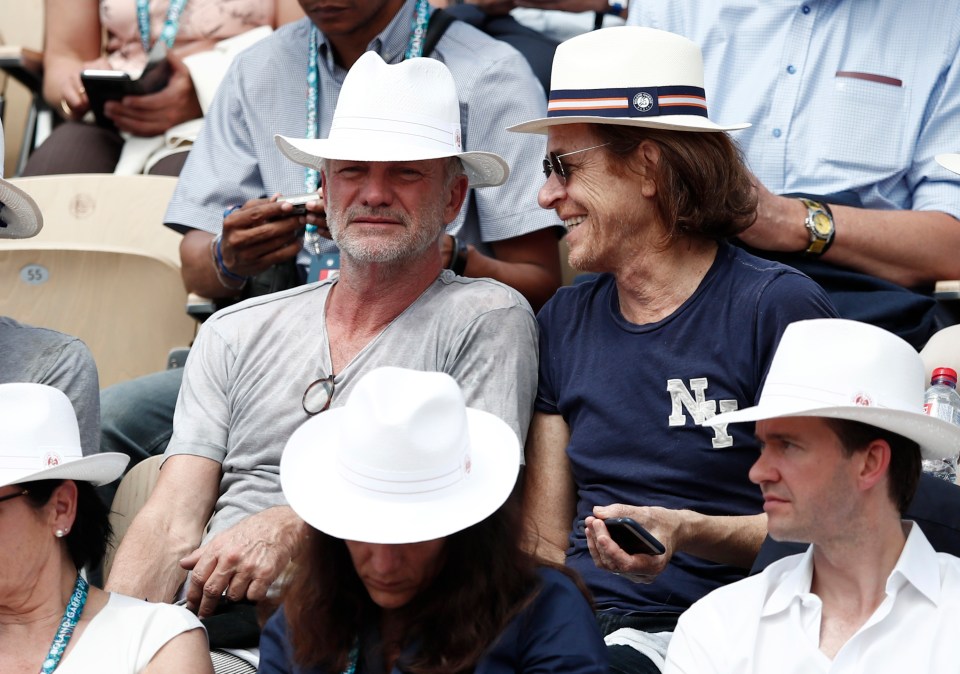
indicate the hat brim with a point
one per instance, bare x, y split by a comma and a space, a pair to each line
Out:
97, 469
951, 162
483, 169
318, 492
938, 439
20, 213
666, 122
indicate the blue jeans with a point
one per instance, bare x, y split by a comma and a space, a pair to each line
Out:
136, 418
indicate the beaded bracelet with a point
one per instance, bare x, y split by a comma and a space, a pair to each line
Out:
226, 277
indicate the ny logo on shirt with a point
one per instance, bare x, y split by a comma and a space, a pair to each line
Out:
699, 408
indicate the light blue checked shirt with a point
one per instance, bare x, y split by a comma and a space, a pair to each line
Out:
844, 96
264, 93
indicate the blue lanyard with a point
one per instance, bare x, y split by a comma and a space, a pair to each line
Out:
311, 179
170, 27
71, 616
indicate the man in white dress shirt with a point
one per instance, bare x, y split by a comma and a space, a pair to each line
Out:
842, 433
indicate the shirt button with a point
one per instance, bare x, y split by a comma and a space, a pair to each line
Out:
806, 9
791, 70
776, 133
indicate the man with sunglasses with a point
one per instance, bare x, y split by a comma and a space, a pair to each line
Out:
394, 176
677, 326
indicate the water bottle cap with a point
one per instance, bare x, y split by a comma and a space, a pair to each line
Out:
947, 373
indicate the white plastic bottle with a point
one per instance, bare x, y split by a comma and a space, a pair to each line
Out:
942, 401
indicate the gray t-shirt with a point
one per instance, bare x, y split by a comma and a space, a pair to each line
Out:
42, 356
244, 380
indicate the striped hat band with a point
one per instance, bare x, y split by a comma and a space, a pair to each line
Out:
629, 102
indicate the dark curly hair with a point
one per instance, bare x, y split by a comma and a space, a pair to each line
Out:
91, 531
704, 188
485, 581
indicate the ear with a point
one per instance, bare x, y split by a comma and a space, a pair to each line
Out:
647, 155
63, 506
455, 198
875, 464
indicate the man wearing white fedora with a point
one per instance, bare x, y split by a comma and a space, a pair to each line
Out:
840, 460
38, 355
394, 177
289, 84
678, 326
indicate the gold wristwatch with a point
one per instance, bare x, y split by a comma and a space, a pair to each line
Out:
819, 223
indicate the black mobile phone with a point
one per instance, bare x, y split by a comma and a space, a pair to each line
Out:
632, 537
112, 85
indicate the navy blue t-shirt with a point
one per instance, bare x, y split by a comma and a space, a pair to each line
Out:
555, 634
634, 397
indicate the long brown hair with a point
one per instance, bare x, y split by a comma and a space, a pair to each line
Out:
704, 188
485, 581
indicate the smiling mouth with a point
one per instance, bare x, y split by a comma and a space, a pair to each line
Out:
571, 223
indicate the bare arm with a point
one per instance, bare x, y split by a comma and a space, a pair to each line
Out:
733, 540
167, 528
186, 652
71, 40
529, 263
549, 493
906, 247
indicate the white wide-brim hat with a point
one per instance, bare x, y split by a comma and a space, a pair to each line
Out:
629, 76
403, 461
951, 162
20, 217
40, 439
403, 112
842, 369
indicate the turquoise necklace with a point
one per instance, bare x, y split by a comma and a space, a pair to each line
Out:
311, 179
170, 27
71, 616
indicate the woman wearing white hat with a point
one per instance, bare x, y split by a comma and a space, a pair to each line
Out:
414, 562
52, 525
678, 326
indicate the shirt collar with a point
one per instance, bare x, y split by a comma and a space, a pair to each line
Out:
390, 44
917, 565
793, 583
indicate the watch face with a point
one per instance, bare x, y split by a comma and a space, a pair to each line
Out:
821, 224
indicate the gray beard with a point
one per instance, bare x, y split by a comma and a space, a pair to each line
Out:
416, 239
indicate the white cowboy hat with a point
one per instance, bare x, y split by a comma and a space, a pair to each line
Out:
631, 76
403, 112
951, 162
403, 461
20, 216
841, 369
40, 439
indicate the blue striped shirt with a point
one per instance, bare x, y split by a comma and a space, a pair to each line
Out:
844, 96
264, 93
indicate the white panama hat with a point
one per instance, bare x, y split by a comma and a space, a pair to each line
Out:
20, 217
403, 461
951, 162
403, 112
629, 76
842, 369
40, 439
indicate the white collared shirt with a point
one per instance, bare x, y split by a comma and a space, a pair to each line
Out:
771, 622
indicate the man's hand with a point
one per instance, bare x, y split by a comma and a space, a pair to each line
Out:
662, 523
264, 232
153, 114
779, 224
243, 561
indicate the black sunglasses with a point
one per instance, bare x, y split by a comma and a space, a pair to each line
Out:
317, 397
22, 492
552, 163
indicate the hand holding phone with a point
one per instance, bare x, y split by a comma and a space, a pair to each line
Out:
112, 85
632, 537
299, 202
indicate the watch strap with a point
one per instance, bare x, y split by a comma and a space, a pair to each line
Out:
820, 226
